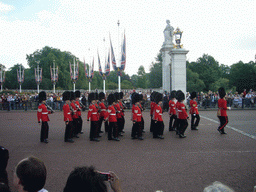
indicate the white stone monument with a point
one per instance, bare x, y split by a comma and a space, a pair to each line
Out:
165, 50
174, 58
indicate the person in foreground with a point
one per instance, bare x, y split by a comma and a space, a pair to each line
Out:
218, 187
30, 175
87, 179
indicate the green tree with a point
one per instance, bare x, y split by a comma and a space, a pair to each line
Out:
155, 75
193, 82
141, 81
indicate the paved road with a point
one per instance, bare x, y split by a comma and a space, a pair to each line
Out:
171, 164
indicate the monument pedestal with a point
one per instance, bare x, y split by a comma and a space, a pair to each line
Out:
166, 72
178, 68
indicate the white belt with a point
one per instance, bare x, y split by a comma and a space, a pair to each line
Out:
45, 113
112, 114
75, 111
160, 114
179, 110
68, 113
94, 113
103, 109
138, 114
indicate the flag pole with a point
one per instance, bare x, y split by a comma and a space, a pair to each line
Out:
119, 64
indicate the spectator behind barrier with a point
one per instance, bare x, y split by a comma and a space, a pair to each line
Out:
87, 179
30, 175
218, 187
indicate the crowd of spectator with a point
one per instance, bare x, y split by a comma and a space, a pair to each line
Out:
29, 101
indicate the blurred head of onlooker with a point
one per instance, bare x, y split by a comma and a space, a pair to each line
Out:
218, 187
30, 175
4, 157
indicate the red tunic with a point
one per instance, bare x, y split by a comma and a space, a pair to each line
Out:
79, 108
42, 113
222, 104
103, 109
111, 114
136, 114
74, 115
141, 109
152, 106
182, 114
118, 113
67, 113
158, 113
172, 107
193, 109
93, 113
122, 108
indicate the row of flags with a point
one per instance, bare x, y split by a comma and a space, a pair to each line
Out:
88, 73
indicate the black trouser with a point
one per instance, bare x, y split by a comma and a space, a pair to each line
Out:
174, 125
100, 124
223, 122
119, 124
142, 123
152, 124
112, 130
68, 131
80, 124
158, 128
75, 124
44, 131
123, 122
94, 132
193, 123
137, 129
182, 126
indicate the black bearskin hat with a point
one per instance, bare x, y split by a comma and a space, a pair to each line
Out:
111, 99
72, 95
101, 96
96, 95
135, 98
193, 95
152, 96
121, 95
141, 97
117, 96
158, 97
222, 92
42, 96
66, 96
78, 94
173, 94
91, 97
180, 96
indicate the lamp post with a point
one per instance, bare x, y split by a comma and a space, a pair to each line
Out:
178, 34
38, 76
20, 76
2, 77
54, 75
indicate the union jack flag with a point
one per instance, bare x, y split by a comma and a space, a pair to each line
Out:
2, 79
85, 69
100, 69
107, 66
20, 78
92, 69
123, 57
54, 76
38, 77
113, 56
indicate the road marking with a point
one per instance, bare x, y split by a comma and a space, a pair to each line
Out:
233, 128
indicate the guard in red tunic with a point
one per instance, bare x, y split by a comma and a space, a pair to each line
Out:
222, 111
158, 128
79, 114
152, 107
93, 117
182, 115
74, 115
110, 116
121, 94
67, 117
141, 109
172, 112
194, 111
118, 113
102, 111
42, 117
136, 118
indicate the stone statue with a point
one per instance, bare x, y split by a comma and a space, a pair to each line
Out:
168, 33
